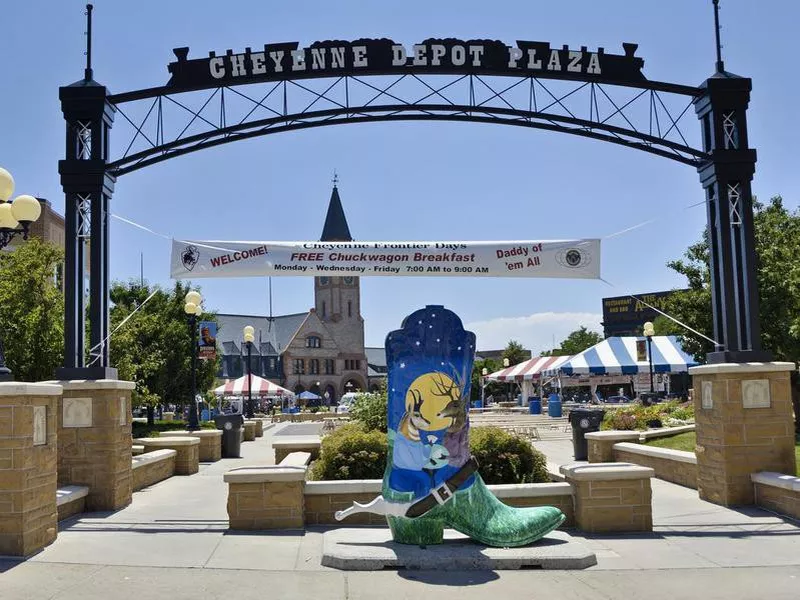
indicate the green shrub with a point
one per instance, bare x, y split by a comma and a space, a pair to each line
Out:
351, 452
637, 417
354, 452
140, 430
506, 458
370, 409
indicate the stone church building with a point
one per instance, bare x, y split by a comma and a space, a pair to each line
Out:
321, 350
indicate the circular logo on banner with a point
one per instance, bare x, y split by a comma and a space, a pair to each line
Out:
189, 257
573, 258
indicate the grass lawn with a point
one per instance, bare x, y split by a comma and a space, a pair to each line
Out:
682, 441
686, 441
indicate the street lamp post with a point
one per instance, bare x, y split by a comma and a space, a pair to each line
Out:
649, 332
484, 373
249, 336
15, 218
193, 309
506, 363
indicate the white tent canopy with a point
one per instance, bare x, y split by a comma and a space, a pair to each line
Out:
261, 387
628, 356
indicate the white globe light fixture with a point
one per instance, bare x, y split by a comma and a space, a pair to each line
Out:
16, 217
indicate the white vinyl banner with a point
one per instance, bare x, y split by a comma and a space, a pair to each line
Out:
574, 259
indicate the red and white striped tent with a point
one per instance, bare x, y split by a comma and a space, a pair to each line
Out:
261, 387
528, 370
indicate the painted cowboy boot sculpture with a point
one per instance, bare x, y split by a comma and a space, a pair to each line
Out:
431, 481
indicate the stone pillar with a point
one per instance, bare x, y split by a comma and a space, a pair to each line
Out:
611, 497
94, 440
249, 431
28, 449
743, 421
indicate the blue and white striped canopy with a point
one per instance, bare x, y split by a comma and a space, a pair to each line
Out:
618, 356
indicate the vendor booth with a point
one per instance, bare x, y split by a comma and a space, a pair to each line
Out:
626, 356
262, 389
527, 374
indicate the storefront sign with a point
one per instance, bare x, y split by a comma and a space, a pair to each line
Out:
574, 259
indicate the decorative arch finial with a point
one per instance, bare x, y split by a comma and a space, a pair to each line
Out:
720, 65
87, 74
335, 178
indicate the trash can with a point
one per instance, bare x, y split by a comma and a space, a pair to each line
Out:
554, 406
583, 421
534, 405
232, 426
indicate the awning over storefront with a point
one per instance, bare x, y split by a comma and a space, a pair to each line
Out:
528, 370
621, 356
261, 386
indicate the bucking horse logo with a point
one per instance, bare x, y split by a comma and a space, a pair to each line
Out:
189, 257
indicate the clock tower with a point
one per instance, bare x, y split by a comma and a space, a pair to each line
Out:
337, 300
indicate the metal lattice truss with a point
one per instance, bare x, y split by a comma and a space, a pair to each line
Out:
655, 117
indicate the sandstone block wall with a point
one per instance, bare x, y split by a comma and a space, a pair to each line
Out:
265, 505
682, 473
147, 472
28, 457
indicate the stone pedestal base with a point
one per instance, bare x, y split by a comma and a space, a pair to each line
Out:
362, 549
601, 444
187, 461
259, 428
249, 431
611, 497
210, 442
28, 448
744, 425
265, 497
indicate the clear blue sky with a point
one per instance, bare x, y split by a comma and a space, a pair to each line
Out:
409, 181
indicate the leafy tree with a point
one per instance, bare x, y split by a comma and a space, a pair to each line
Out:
579, 340
370, 409
153, 348
492, 387
515, 353
32, 310
576, 342
777, 241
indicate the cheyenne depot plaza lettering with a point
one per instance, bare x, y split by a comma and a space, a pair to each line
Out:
289, 60
578, 259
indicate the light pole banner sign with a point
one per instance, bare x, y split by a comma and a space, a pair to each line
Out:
207, 341
573, 259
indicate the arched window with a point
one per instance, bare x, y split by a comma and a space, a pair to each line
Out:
313, 341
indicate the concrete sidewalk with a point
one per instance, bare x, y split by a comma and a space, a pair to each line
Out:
172, 542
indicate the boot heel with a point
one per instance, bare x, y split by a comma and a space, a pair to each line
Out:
419, 532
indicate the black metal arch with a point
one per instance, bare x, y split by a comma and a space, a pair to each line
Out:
175, 120
650, 120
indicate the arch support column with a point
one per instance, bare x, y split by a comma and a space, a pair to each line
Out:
88, 187
726, 178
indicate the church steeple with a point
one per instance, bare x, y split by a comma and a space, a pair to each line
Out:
335, 229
